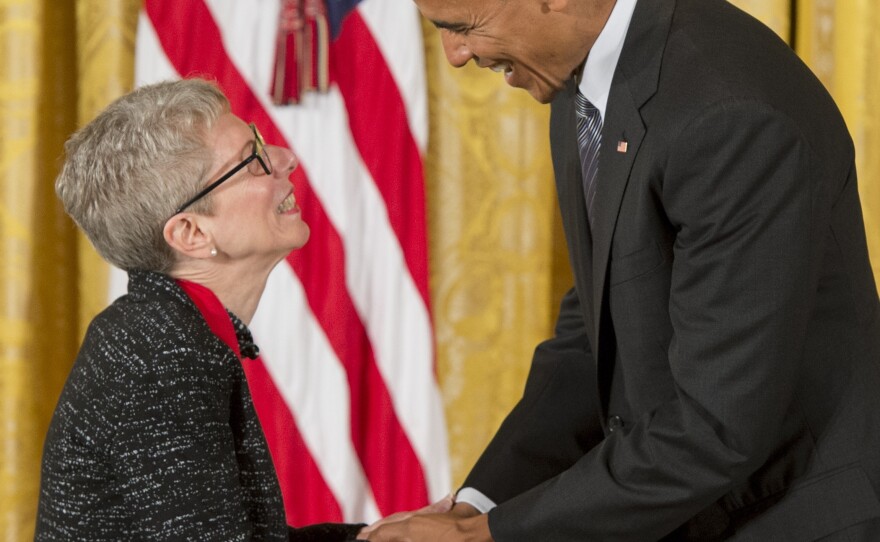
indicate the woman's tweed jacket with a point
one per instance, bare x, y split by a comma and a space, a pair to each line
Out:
155, 435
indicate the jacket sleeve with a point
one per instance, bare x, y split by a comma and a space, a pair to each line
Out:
325, 532
554, 424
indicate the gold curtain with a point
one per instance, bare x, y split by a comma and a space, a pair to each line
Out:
491, 203
498, 261
37, 110
55, 72
840, 43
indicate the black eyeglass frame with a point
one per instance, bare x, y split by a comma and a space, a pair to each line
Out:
258, 153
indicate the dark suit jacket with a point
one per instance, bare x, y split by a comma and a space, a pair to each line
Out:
155, 435
715, 372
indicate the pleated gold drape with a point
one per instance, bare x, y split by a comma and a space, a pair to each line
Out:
37, 109
840, 42
498, 263
59, 63
491, 204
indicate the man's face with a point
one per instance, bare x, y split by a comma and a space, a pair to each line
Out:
529, 43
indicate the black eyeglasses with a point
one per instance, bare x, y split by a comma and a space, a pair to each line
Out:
257, 163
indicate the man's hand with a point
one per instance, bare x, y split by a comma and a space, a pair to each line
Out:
443, 505
461, 524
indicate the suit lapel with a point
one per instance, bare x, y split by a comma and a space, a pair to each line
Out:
635, 81
623, 130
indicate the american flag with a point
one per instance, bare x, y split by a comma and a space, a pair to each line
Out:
345, 387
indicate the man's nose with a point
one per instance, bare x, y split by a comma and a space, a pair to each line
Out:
456, 50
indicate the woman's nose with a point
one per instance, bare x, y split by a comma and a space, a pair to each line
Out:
283, 160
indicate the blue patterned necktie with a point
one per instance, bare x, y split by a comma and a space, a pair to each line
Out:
589, 135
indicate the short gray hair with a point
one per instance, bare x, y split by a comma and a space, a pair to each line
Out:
128, 169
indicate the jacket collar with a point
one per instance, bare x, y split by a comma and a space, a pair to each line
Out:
146, 285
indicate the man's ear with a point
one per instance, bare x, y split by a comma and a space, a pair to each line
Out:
187, 234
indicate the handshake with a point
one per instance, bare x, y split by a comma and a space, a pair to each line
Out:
444, 520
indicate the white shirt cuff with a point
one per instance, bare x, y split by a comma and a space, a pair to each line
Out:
474, 498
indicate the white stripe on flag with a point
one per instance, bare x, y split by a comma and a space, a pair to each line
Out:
297, 355
377, 277
309, 377
395, 27
151, 64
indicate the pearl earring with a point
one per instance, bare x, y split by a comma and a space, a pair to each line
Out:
213, 251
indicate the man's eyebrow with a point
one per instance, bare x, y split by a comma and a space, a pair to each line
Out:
452, 27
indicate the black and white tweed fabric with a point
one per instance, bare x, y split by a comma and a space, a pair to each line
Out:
155, 435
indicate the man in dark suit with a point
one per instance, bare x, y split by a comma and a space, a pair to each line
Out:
715, 371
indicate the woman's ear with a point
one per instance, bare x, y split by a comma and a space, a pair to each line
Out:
189, 235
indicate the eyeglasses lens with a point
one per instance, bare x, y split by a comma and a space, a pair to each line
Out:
262, 165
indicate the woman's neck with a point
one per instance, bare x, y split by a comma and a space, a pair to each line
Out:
236, 285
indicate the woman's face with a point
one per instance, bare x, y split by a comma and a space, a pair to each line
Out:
255, 217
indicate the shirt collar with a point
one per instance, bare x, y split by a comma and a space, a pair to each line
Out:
595, 83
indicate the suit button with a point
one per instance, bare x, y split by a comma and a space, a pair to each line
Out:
614, 423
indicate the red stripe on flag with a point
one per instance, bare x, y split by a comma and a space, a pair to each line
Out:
380, 129
388, 459
387, 456
313, 501
303, 509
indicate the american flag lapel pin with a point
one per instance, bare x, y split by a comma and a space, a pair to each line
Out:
622, 146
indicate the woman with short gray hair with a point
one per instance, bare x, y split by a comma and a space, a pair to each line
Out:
155, 434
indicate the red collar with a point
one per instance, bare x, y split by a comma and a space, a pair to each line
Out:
213, 312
